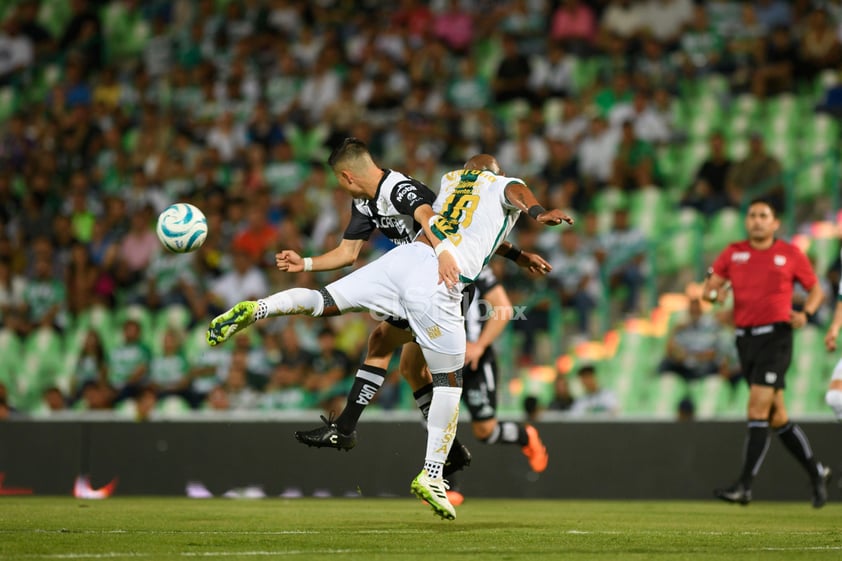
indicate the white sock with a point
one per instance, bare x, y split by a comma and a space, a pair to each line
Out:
291, 302
833, 398
441, 426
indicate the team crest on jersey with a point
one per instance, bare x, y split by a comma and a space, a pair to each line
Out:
740, 256
780, 260
434, 331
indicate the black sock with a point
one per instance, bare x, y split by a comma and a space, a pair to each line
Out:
423, 396
757, 443
796, 442
366, 383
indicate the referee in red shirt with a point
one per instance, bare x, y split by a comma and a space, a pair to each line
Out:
762, 271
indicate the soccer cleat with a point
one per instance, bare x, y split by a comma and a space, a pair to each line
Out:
458, 458
455, 497
535, 451
225, 325
434, 493
820, 486
327, 436
737, 493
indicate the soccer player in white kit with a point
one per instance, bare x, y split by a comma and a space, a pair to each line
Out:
422, 282
833, 397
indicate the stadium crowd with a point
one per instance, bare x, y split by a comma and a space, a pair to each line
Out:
112, 110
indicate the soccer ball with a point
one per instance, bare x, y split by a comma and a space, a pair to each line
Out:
182, 228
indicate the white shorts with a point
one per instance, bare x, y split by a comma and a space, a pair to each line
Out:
403, 283
837, 371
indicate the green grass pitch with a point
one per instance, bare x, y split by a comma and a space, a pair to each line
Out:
33, 528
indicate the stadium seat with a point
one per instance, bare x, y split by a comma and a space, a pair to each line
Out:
724, 227
823, 251
648, 210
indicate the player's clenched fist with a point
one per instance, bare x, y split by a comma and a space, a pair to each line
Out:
289, 261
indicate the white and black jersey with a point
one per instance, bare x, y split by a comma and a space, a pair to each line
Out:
391, 210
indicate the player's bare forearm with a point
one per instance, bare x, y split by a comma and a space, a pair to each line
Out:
814, 299
522, 197
501, 314
424, 215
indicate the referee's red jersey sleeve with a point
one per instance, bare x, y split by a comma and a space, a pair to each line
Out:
723, 263
803, 269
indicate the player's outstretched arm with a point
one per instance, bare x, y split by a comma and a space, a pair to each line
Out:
344, 254
522, 197
533, 262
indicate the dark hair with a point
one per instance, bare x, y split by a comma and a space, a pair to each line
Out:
588, 369
350, 148
765, 201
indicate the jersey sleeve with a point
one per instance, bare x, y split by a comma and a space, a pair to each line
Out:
407, 196
722, 264
360, 227
803, 269
485, 281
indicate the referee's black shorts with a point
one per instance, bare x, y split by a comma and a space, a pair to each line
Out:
765, 353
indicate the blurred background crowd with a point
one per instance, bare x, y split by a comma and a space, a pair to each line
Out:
652, 121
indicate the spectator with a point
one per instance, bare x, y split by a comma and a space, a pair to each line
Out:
622, 19
562, 398
623, 255
91, 365
526, 154
169, 371
773, 14
649, 125
329, 378
685, 410
572, 126
709, 193
574, 24
244, 282
701, 45
665, 19
597, 152
595, 400
41, 38
128, 363
454, 27
83, 33
777, 64
17, 50
44, 298
819, 48
552, 75
634, 165
81, 279
758, 173
12, 303
511, 81
561, 173
693, 345
575, 276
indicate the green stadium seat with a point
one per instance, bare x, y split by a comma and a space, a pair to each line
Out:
648, 210
823, 251
724, 227
812, 181
8, 102
54, 16
707, 117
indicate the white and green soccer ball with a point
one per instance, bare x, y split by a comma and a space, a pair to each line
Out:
182, 228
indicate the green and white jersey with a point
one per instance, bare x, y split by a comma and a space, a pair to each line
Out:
473, 217
41, 295
168, 370
123, 360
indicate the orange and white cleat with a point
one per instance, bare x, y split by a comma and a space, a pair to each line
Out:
535, 451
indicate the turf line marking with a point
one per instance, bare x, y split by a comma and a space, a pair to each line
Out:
113, 554
806, 548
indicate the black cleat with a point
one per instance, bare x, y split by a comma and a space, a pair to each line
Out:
327, 436
458, 458
820, 486
737, 493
